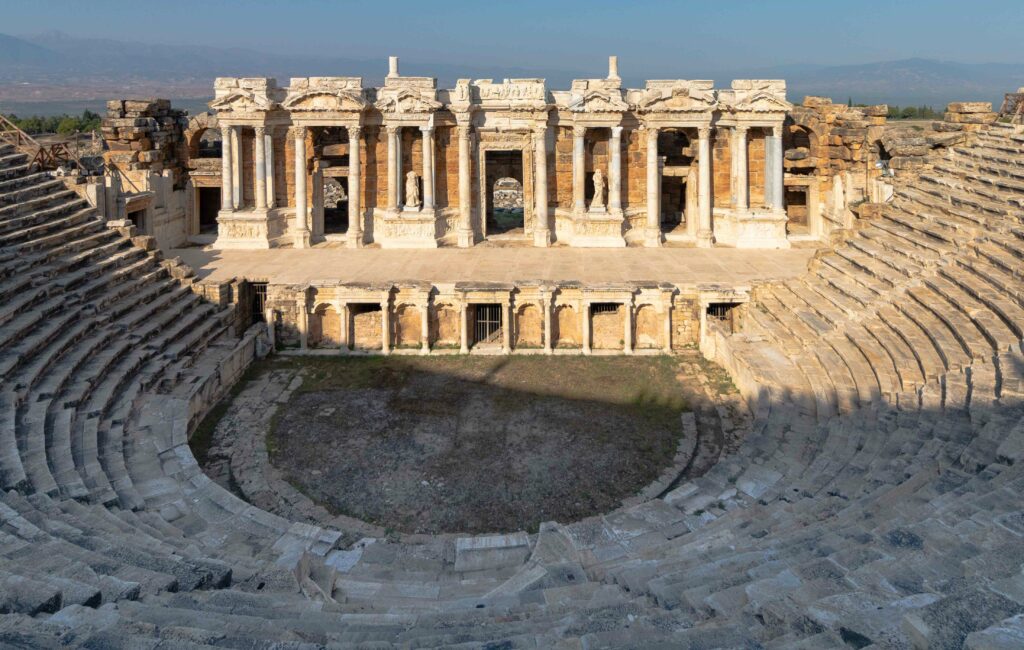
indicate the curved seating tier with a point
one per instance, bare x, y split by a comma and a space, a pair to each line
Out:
876, 500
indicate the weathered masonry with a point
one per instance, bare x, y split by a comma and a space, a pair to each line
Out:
492, 318
409, 165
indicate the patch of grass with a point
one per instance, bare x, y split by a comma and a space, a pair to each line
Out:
202, 438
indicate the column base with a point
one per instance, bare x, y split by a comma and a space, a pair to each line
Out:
542, 238
705, 239
355, 240
302, 239
247, 229
652, 237
466, 238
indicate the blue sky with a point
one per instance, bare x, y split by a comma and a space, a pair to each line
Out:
654, 36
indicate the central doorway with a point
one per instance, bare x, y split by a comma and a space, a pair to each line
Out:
335, 205
506, 211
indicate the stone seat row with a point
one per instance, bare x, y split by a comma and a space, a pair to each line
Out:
874, 501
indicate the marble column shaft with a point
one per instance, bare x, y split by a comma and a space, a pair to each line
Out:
301, 210
704, 231
578, 169
428, 167
615, 170
260, 163
465, 188
355, 187
268, 147
394, 168
540, 184
653, 182
742, 173
226, 171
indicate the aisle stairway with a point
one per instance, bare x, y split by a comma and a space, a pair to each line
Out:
877, 500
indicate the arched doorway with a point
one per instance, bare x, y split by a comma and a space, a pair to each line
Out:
205, 146
801, 165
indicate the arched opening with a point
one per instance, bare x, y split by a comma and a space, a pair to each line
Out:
678, 178
647, 328
324, 328
445, 326
208, 144
529, 331
800, 163
565, 332
506, 213
408, 327
204, 150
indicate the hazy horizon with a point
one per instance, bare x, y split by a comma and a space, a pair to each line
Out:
655, 37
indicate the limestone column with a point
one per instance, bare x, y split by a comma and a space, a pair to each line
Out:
578, 169
394, 167
343, 316
691, 202
268, 149
653, 235
385, 324
586, 328
425, 327
355, 188
271, 319
428, 167
303, 323
301, 211
627, 335
775, 189
742, 175
667, 343
260, 143
615, 171
236, 166
542, 229
546, 309
506, 331
704, 232
465, 234
226, 172
464, 333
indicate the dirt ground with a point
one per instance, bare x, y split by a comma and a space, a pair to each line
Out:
477, 444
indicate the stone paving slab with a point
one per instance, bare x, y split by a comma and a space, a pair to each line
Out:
680, 266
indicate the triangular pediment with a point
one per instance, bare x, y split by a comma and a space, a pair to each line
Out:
241, 102
326, 101
599, 101
407, 101
763, 101
679, 99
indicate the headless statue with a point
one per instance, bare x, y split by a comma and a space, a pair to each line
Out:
598, 202
412, 190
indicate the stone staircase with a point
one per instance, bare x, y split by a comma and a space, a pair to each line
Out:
876, 501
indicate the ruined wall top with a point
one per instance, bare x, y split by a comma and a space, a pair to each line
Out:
404, 97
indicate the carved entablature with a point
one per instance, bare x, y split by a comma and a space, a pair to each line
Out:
245, 97
509, 95
756, 99
316, 97
676, 97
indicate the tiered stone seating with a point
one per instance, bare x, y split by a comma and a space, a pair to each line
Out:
876, 500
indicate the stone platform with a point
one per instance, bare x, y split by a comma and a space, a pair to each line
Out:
679, 266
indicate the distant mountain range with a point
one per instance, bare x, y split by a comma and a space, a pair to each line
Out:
54, 67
